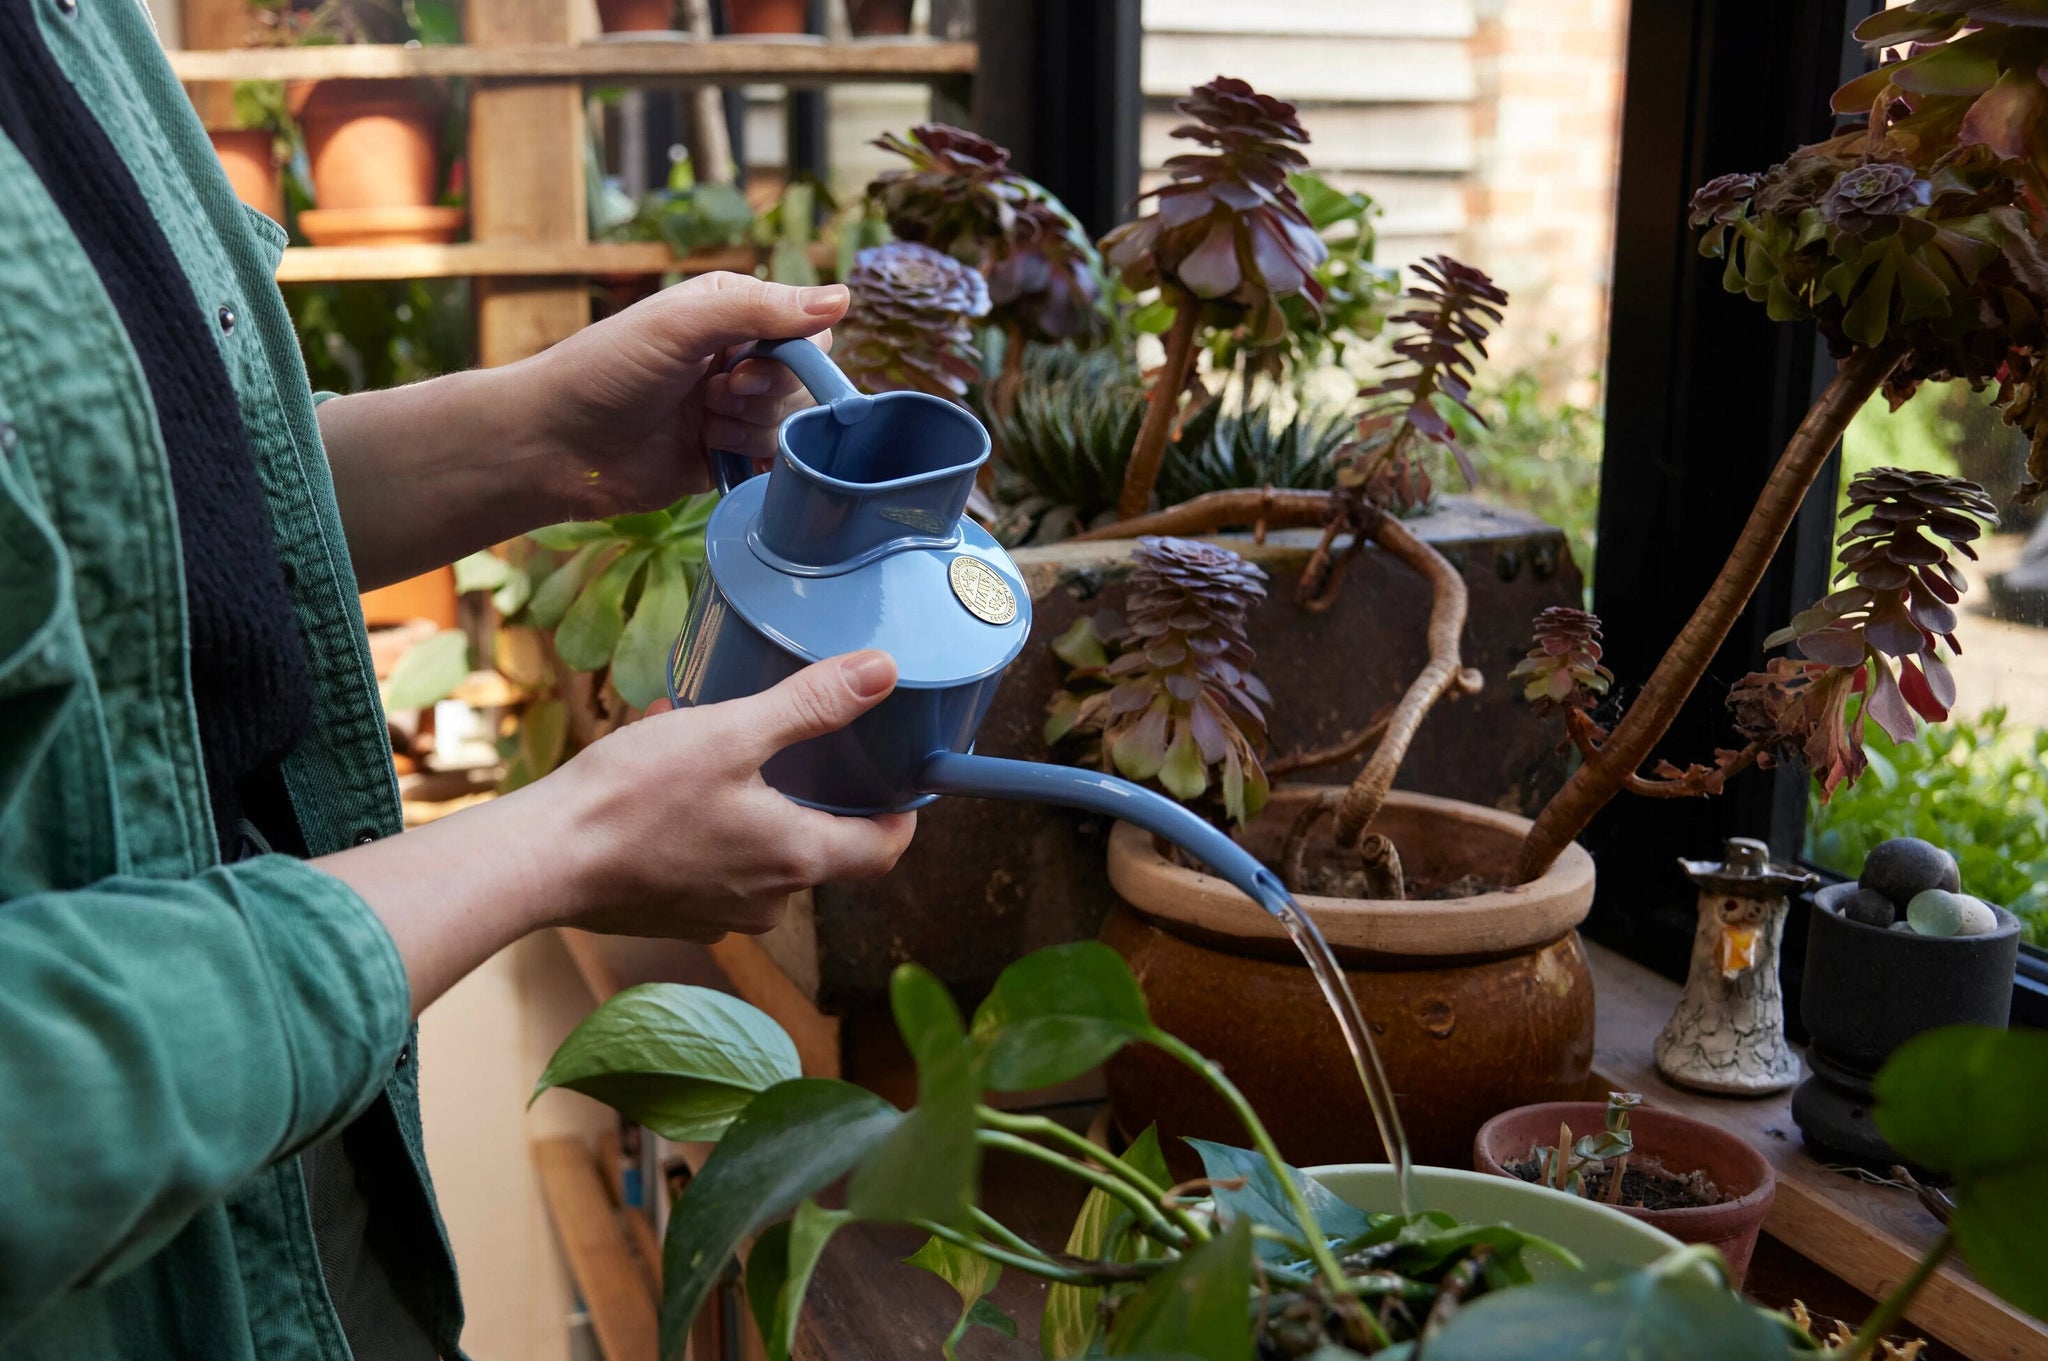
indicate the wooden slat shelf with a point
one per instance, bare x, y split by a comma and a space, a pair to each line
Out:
1867, 1235
348, 264
727, 61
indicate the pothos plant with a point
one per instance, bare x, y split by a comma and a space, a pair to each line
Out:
1254, 1260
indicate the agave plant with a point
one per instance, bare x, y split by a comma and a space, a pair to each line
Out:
1227, 240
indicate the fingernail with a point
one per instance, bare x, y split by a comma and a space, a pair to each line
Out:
819, 301
746, 384
870, 674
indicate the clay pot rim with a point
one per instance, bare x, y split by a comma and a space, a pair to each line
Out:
1668, 1124
1507, 920
2008, 924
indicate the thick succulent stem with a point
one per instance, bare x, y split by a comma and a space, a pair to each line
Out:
1650, 716
1215, 510
1441, 675
1142, 474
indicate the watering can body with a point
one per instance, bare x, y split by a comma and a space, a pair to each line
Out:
857, 538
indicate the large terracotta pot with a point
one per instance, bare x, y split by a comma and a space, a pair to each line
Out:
249, 156
1477, 1004
1676, 1143
372, 144
635, 16
766, 16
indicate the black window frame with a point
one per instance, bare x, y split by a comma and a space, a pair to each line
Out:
1703, 390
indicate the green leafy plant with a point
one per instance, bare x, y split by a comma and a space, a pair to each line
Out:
1975, 784
1169, 694
1563, 1166
1535, 454
589, 613
685, 214
1257, 1259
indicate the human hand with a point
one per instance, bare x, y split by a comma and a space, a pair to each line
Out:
674, 832
629, 409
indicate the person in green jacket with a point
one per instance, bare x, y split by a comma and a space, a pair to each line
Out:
213, 943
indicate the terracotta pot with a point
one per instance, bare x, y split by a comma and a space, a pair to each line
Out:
1868, 990
766, 16
429, 597
1477, 1004
878, 18
398, 226
250, 159
1676, 1143
636, 16
372, 144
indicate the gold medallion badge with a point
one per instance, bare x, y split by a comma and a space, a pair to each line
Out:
985, 594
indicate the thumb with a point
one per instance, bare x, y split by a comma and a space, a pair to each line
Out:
819, 699
706, 314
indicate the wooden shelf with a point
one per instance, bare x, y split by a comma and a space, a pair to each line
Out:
1869, 1236
721, 60
349, 264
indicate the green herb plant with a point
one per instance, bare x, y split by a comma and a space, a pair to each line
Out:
1256, 1260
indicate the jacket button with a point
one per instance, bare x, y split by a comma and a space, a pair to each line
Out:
67, 8
226, 315
404, 1055
9, 437
365, 838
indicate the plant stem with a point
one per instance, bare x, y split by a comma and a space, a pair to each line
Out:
1651, 714
1311, 1232
1214, 510
1052, 1131
1031, 1266
994, 1228
1163, 405
1150, 1216
1893, 1308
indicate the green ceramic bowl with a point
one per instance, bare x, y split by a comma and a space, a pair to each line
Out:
1600, 1235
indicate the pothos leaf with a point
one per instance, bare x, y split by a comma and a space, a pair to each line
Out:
1070, 1319
1196, 1307
429, 672
779, 1269
972, 1276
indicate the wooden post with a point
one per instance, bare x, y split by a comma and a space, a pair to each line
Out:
526, 181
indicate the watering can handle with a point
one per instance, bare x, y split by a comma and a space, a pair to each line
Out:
815, 369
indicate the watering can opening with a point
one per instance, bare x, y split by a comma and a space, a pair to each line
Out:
901, 436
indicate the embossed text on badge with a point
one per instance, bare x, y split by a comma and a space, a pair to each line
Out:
986, 595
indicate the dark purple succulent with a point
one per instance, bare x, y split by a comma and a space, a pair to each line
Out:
908, 327
1872, 197
1721, 198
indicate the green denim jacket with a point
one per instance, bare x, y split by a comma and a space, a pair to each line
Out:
173, 1031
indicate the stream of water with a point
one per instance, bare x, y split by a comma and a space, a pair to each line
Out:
1031, 781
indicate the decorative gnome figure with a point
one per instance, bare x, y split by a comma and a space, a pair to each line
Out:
1728, 1034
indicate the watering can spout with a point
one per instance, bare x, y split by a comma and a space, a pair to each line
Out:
993, 777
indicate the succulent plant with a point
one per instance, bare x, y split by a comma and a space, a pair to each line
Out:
1562, 670
1901, 603
1797, 712
1227, 242
960, 195
908, 325
1169, 694
1449, 315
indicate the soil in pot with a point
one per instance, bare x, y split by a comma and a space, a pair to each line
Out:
759, 17
1476, 1004
1696, 1182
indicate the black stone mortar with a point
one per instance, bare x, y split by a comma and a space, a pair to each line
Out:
1866, 991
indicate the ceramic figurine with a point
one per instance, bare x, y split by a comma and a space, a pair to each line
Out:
1728, 1034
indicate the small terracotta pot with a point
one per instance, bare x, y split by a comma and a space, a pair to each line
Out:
878, 18
372, 144
636, 16
766, 16
399, 226
1476, 1004
249, 156
1676, 1143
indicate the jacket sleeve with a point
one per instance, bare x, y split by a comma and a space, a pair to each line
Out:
163, 1041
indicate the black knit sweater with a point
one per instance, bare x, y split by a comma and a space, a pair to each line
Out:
249, 676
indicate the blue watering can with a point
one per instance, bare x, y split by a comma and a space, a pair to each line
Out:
858, 538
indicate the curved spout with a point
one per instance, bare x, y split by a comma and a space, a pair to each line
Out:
992, 777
